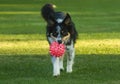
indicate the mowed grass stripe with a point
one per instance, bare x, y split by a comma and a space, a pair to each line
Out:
106, 46
114, 14
23, 47
82, 36
21, 37
19, 12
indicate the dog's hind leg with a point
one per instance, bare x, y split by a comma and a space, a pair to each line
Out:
56, 67
70, 58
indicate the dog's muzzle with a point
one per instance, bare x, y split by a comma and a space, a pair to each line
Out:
62, 40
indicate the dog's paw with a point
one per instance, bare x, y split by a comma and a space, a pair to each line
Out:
62, 69
69, 69
56, 76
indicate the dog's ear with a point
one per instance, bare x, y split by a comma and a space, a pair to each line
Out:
67, 19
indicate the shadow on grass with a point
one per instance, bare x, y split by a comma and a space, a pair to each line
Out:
87, 68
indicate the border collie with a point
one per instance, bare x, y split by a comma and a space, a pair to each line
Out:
60, 28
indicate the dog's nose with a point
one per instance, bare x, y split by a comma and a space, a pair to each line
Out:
59, 41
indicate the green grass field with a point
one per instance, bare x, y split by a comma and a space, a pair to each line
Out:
24, 57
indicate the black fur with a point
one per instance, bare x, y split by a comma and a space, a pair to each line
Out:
67, 24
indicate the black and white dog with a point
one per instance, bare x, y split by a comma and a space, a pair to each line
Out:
60, 28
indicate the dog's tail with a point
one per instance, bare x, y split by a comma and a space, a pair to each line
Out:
47, 11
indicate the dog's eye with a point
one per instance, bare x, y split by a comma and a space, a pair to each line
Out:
55, 34
64, 33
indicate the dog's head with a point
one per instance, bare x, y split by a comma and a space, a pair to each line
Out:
59, 28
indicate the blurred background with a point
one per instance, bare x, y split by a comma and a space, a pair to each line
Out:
90, 16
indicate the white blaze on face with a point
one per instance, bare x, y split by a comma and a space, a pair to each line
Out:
59, 33
59, 20
59, 29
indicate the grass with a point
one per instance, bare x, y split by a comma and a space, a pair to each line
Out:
106, 46
87, 44
35, 69
24, 57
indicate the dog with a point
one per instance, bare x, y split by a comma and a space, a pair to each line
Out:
60, 28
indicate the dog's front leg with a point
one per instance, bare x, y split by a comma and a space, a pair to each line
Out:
70, 58
61, 63
56, 68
